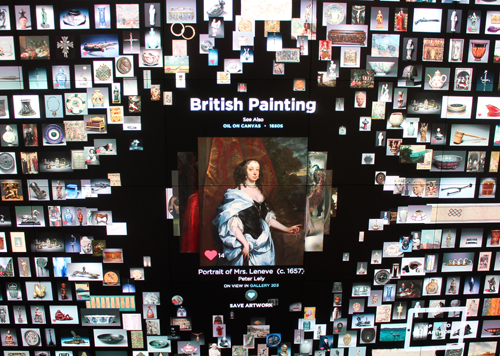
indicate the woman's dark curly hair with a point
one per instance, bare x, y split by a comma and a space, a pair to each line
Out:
240, 174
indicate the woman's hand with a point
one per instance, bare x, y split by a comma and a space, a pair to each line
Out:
245, 248
293, 229
245, 251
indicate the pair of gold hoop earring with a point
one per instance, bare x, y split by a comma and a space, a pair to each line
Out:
182, 31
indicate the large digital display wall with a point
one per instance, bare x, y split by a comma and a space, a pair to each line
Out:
249, 178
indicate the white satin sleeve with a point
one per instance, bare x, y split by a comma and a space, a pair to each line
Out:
235, 223
270, 216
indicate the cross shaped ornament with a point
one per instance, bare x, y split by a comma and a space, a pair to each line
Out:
131, 39
65, 45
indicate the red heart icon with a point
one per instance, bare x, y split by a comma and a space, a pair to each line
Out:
212, 61
210, 254
168, 69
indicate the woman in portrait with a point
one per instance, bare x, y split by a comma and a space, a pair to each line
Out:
243, 221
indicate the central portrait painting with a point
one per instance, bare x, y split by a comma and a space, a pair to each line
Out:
252, 200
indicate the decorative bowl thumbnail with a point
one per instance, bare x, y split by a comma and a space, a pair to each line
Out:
381, 68
447, 161
110, 338
159, 344
494, 331
273, 340
100, 319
